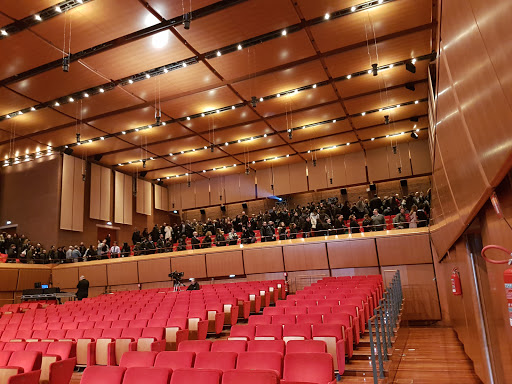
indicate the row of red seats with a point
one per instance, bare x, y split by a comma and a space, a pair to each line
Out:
47, 362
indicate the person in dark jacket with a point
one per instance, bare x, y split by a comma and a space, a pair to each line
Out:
125, 251
220, 240
354, 225
136, 237
367, 224
182, 243
83, 288
196, 243
194, 286
207, 241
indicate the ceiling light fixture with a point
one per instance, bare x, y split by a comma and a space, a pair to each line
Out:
327, 16
124, 132
283, 32
239, 47
278, 95
20, 113
32, 109
148, 75
86, 94
349, 77
314, 86
374, 69
186, 21
391, 66
130, 81
261, 99
166, 70
364, 113
58, 9
373, 138
353, 9
38, 18
57, 104
71, 99
219, 54
101, 90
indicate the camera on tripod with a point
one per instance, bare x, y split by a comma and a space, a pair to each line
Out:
176, 277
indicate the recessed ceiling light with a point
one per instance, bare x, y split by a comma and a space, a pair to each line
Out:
184, 65
37, 17
233, 107
102, 90
58, 9
170, 154
327, 16
86, 94
353, 9
124, 132
148, 75
253, 162
57, 103
334, 121
219, 54
349, 77
265, 135
202, 114
136, 129
364, 113
314, 86
3, 32
373, 138
391, 66
188, 117
413, 61
71, 99
204, 170
205, 147
102, 138
32, 109
261, 99
283, 32
278, 95
239, 47
226, 144
416, 102
130, 81
369, 71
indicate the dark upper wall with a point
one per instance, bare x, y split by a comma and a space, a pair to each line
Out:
473, 137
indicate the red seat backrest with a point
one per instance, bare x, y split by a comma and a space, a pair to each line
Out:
216, 360
266, 346
175, 359
306, 346
146, 375
98, 374
195, 346
190, 375
236, 346
308, 367
260, 360
28, 360
138, 359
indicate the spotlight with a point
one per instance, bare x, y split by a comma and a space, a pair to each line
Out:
290, 134
410, 86
394, 149
212, 147
410, 67
186, 21
374, 69
386, 119
78, 138
247, 170
253, 101
65, 64
314, 163
414, 135
38, 18
144, 163
158, 120
188, 184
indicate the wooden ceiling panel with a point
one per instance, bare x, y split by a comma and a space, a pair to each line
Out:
138, 56
200, 102
163, 132
170, 9
391, 129
178, 145
311, 9
296, 101
56, 83
23, 8
260, 144
222, 119
34, 121
238, 23
273, 53
390, 51
331, 152
11, 101
309, 116
126, 120
320, 130
199, 155
4, 20
100, 147
385, 79
163, 173
215, 163
122, 157
137, 166
389, 141
277, 162
18, 148
391, 97
25, 51
394, 114
103, 103
175, 83
67, 135
376, 22
270, 153
326, 142
242, 132
92, 23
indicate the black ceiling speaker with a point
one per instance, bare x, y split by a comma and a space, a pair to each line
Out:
403, 183
244, 205
253, 101
343, 191
186, 22
373, 187
410, 86
410, 67
68, 151
414, 118
223, 208
160, 183
65, 64
374, 69
203, 212
143, 173
98, 157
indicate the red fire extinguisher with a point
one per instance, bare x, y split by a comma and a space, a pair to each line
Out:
456, 287
507, 276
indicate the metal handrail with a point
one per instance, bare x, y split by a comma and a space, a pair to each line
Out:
382, 325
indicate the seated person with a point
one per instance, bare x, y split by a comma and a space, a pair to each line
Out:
196, 243
182, 243
194, 285
232, 237
248, 236
400, 221
207, 241
293, 231
220, 240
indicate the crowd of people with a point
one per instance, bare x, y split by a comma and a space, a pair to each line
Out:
328, 217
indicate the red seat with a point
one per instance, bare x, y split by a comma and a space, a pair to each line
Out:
260, 319
216, 360
273, 311
296, 332
306, 346
308, 367
60, 372
196, 346
188, 376
266, 346
269, 332
103, 375
236, 346
146, 375
4, 357
295, 310
333, 336
320, 309
27, 360
238, 376
25, 378
242, 332
13, 347
309, 319
138, 359
74, 334
175, 360
260, 360
62, 349
283, 319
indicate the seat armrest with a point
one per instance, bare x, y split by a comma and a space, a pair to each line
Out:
91, 353
31, 377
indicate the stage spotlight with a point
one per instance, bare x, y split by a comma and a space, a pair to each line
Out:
253, 101
212, 147
187, 21
65, 64
374, 69
77, 138
314, 163
414, 135
410, 86
158, 121
386, 119
410, 67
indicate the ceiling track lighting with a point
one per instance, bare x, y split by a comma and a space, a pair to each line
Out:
374, 69
254, 101
386, 119
65, 64
410, 67
186, 21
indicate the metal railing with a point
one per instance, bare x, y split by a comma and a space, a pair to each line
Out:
381, 326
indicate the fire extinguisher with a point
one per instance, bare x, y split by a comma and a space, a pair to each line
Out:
456, 287
507, 275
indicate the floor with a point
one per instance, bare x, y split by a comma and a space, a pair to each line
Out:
430, 355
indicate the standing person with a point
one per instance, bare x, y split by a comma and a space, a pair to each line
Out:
196, 243
83, 288
413, 217
168, 232
378, 221
108, 240
136, 238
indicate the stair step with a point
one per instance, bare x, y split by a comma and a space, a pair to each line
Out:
362, 368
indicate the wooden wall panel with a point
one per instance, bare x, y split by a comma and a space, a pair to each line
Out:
128, 199
158, 197
161, 198
95, 198
232, 188
174, 197
78, 196
282, 180
7, 297
118, 197
317, 176
144, 197
352, 253
188, 196
400, 159
27, 277
298, 177
8, 279
355, 168
420, 157
193, 265
355, 271
414, 249
377, 163
139, 199
148, 198
263, 260
106, 194
224, 263
247, 186
202, 193
96, 274
154, 270
305, 257
217, 195
336, 168
66, 197
122, 273
65, 278
264, 178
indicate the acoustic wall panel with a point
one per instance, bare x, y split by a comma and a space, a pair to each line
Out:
317, 175
128, 199
161, 198
282, 180
264, 179
420, 157
336, 171
400, 159
232, 188
188, 196
247, 187
72, 194
144, 198
217, 195
377, 162
123, 198
355, 168
101, 179
202, 193
298, 177
174, 197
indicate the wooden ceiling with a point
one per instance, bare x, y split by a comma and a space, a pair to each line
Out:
305, 62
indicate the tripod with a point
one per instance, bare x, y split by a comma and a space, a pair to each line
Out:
177, 285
